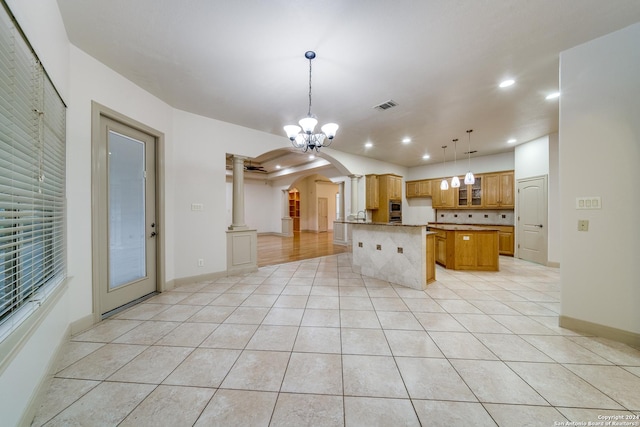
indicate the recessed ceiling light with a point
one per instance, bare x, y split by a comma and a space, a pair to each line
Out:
553, 95
406, 140
507, 83
368, 145
426, 157
512, 140
311, 157
278, 166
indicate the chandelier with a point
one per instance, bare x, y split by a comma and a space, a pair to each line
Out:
302, 137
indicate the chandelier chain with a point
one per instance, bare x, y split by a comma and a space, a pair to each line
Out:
309, 113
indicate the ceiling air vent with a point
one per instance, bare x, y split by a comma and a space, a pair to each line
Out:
386, 105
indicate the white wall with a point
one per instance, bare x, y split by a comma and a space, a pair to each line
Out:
532, 158
599, 156
21, 375
538, 158
554, 239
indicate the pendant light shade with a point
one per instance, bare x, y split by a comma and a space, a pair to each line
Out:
455, 181
469, 179
444, 185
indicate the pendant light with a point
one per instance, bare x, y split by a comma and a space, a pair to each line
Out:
469, 179
455, 181
444, 185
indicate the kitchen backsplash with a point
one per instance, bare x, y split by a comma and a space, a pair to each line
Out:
492, 217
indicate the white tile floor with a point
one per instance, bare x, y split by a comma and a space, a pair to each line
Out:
310, 343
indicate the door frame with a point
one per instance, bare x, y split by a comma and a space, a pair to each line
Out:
98, 208
518, 230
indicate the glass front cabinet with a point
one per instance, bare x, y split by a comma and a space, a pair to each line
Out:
470, 196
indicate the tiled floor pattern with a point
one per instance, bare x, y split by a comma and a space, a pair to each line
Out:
310, 343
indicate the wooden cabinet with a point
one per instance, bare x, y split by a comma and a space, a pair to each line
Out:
490, 191
505, 240
467, 249
390, 188
441, 247
431, 258
470, 196
420, 188
372, 192
294, 209
442, 199
498, 190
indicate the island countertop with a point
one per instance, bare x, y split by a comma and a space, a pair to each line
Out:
390, 224
461, 227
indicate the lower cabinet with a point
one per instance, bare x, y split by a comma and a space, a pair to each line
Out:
506, 244
431, 255
441, 247
467, 249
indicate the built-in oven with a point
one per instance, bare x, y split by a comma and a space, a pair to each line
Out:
395, 211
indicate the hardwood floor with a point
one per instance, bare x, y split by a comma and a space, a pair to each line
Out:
303, 245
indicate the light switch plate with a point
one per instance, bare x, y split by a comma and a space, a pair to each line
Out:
591, 202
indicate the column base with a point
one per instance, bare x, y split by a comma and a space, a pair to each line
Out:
242, 251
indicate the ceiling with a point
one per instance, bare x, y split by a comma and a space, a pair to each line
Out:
440, 60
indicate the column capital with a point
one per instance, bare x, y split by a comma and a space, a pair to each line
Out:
355, 176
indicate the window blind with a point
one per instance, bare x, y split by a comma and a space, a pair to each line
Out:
32, 178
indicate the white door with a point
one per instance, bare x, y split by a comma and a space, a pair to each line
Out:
323, 213
128, 202
531, 235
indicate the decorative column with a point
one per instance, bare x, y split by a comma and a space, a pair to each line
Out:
242, 243
342, 204
340, 227
353, 209
237, 210
287, 221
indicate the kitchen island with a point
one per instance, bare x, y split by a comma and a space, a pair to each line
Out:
466, 247
398, 253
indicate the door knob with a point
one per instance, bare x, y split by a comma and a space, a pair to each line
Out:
153, 234
539, 225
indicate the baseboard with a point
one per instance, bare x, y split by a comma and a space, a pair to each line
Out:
43, 385
200, 278
82, 324
626, 337
553, 264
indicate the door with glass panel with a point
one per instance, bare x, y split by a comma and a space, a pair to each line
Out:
129, 225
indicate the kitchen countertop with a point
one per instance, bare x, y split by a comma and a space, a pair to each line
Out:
461, 227
435, 224
390, 224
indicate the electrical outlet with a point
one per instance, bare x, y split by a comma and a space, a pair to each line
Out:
200, 262
583, 225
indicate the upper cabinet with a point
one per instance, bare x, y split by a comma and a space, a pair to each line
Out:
470, 196
373, 192
489, 191
442, 199
420, 188
498, 190
390, 187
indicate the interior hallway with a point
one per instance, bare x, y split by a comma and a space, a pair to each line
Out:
310, 343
